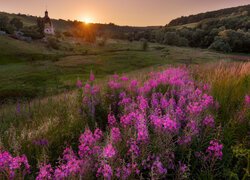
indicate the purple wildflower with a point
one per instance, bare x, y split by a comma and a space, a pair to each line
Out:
109, 151
215, 149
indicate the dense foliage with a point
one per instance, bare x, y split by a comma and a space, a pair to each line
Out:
213, 14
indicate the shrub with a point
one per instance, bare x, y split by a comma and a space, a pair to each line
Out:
4, 20
102, 42
53, 43
144, 45
17, 23
32, 32
220, 45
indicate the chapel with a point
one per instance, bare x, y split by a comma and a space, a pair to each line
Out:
48, 26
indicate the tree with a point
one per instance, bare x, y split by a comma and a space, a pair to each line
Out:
144, 45
173, 38
4, 20
17, 23
220, 45
239, 40
53, 43
40, 25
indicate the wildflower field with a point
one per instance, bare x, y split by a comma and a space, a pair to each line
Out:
176, 122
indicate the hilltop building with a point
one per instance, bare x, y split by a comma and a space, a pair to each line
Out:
48, 26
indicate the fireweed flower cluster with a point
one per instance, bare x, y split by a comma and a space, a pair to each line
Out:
149, 124
165, 111
11, 166
215, 149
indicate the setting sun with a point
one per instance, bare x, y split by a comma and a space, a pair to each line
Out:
87, 20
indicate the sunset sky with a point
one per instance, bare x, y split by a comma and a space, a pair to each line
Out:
121, 12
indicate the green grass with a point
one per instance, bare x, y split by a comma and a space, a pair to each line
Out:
29, 70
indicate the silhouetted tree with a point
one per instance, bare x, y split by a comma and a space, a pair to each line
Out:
17, 23
40, 25
4, 20
144, 45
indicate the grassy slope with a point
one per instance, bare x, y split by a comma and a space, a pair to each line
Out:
27, 20
32, 20
31, 69
221, 14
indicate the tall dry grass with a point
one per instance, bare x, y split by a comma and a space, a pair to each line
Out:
230, 83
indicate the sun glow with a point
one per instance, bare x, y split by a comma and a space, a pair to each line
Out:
87, 20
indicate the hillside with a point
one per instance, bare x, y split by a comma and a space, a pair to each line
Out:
222, 13
28, 70
69, 26
225, 30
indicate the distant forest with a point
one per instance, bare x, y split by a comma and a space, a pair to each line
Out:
226, 30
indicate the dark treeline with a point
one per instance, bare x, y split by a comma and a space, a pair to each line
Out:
110, 31
35, 27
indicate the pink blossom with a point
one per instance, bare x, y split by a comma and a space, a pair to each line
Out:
215, 149
91, 77
87, 141
133, 84
142, 129
158, 167
206, 87
209, 121
183, 168
115, 134
133, 147
105, 170
109, 151
115, 76
111, 120
247, 100
11, 164
127, 120
142, 103
192, 127
79, 83
207, 100
98, 134
45, 172
87, 88
195, 108
169, 125
124, 172
114, 84
124, 78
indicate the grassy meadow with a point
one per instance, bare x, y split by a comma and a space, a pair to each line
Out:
40, 100
29, 70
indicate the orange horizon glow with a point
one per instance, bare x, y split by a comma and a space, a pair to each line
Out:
120, 12
86, 19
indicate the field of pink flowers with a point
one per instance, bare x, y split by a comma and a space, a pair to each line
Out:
164, 126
